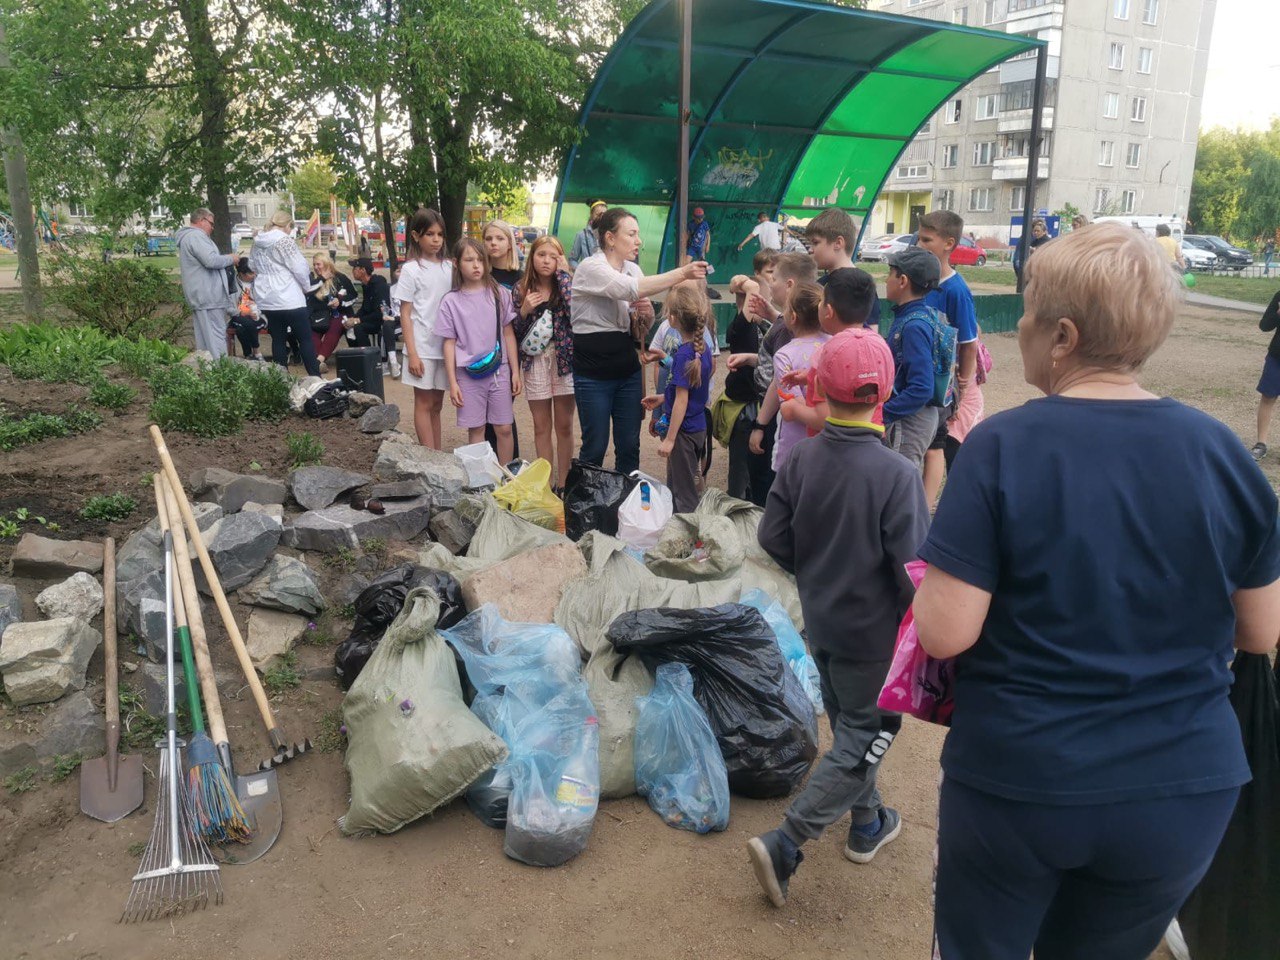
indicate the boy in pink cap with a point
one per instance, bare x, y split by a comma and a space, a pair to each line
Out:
845, 515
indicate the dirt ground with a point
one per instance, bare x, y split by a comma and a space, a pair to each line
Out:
442, 887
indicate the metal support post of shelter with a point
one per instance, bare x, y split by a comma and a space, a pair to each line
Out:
686, 86
1033, 160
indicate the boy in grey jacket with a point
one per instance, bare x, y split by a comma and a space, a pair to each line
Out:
845, 515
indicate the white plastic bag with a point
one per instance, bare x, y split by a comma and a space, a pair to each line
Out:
640, 523
483, 469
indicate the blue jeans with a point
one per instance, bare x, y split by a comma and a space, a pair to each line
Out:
601, 402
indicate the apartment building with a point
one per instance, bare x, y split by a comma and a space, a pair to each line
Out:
1120, 125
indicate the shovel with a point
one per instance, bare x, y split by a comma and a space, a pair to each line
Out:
258, 793
110, 786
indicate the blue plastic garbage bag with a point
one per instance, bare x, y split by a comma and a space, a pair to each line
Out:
555, 774
790, 643
517, 670
678, 763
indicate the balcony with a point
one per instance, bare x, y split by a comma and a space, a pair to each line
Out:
1026, 16
1017, 121
1015, 168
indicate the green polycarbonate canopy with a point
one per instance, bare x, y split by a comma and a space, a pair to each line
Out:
795, 106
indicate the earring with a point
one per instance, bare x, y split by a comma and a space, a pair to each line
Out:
1055, 365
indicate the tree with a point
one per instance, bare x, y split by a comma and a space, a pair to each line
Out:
509, 201
17, 186
1217, 186
312, 184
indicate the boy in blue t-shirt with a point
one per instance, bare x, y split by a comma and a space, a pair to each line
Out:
910, 418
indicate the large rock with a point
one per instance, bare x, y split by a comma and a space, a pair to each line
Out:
79, 597
341, 527
399, 490
239, 546
73, 725
140, 613
358, 404
317, 487
155, 687
43, 659
272, 634
231, 491
285, 584
401, 458
453, 530
10, 606
349, 588
379, 419
527, 587
37, 556
266, 509
143, 552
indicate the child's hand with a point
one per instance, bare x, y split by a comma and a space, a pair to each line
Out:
532, 301
654, 355
758, 307
653, 426
416, 367
756, 443
516, 383
738, 360
653, 401
666, 447
455, 395
794, 378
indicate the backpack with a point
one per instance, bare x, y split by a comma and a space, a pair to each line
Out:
944, 352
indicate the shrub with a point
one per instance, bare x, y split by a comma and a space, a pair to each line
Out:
128, 298
208, 405
304, 449
268, 392
45, 426
77, 354
110, 508
113, 396
141, 358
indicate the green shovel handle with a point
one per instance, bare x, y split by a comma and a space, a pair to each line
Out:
193, 685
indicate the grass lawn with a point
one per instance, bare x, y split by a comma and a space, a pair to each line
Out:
1258, 290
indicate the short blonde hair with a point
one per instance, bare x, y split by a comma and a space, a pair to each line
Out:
513, 259
1114, 284
282, 220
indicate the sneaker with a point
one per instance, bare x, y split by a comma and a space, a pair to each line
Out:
395, 368
324, 367
774, 858
385, 369
863, 847
1259, 451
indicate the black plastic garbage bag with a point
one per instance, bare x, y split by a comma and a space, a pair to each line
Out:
327, 402
763, 721
592, 496
1235, 912
381, 602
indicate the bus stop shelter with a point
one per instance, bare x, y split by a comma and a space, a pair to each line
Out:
793, 107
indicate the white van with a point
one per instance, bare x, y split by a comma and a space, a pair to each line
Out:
1148, 224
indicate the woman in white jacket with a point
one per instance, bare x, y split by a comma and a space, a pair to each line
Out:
281, 289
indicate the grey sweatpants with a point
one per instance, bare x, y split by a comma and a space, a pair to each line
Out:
912, 435
845, 776
684, 469
211, 330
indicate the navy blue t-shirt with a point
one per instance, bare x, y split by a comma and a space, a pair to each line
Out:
1111, 535
695, 414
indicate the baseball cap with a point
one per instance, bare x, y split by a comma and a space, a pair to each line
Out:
365, 262
697, 212
919, 265
852, 362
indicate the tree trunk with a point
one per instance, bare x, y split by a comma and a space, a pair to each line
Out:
389, 235
24, 227
211, 95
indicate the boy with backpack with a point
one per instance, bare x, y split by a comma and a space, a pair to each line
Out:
923, 347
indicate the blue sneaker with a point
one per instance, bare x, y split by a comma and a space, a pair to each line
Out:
774, 858
863, 846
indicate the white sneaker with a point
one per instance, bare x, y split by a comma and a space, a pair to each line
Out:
395, 368
385, 370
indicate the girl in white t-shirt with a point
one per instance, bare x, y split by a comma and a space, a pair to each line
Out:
424, 280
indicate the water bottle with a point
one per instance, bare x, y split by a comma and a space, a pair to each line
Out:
579, 787
646, 499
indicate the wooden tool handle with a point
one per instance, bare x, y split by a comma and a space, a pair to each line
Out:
111, 669
195, 621
215, 586
166, 514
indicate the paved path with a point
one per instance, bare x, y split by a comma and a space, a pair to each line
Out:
1222, 303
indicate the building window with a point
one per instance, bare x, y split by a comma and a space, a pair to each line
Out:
983, 153
1128, 201
1018, 144
78, 208
158, 212
1017, 198
951, 112
993, 12
980, 198
1106, 153
987, 107
946, 199
1111, 105
926, 129
960, 16
1101, 200
1145, 57
1134, 157
913, 171
951, 155
1150, 10
259, 211
1020, 95
1122, 9
1115, 59
1138, 111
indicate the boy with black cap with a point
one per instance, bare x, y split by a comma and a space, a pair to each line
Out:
910, 415
845, 515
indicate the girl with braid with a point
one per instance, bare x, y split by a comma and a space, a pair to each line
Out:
684, 403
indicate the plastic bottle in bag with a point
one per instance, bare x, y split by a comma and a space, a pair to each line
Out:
579, 789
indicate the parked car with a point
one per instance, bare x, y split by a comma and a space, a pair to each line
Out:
880, 247
241, 231
1229, 257
1198, 258
966, 253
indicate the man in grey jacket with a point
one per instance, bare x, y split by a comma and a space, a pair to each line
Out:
205, 282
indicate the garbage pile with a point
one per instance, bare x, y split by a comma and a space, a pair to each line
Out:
575, 650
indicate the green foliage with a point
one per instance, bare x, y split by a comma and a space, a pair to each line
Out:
510, 201
21, 781
215, 400
78, 354
318, 634
268, 388
64, 765
330, 738
1066, 213
311, 184
45, 426
113, 396
284, 676
9, 528
1236, 188
304, 449
121, 297
110, 507
374, 547
343, 559
141, 358
137, 848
